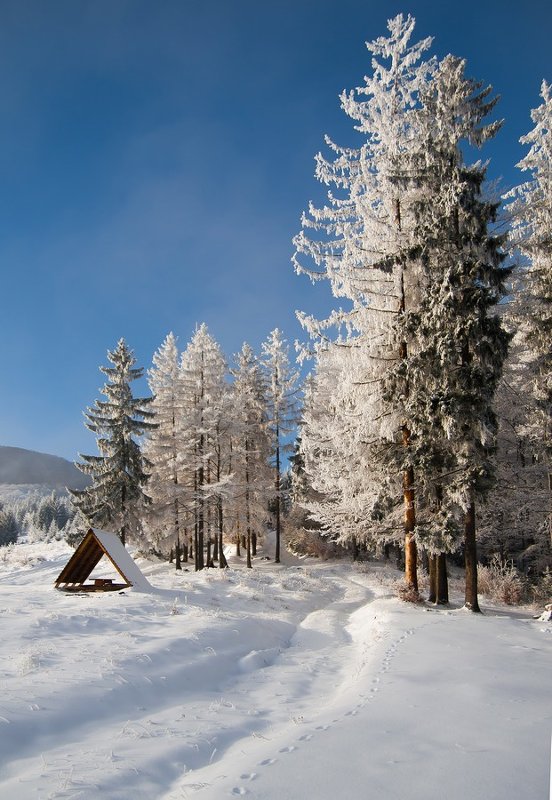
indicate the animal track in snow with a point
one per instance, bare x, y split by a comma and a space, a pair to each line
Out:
248, 776
268, 762
289, 749
239, 790
306, 737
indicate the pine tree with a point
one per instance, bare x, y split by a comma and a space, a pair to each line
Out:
282, 410
116, 497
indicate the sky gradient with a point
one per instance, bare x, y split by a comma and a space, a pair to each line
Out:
155, 159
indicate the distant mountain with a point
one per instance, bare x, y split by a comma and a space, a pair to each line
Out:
19, 466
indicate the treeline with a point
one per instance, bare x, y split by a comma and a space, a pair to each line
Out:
200, 462
37, 518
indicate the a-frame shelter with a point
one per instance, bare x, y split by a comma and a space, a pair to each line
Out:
95, 545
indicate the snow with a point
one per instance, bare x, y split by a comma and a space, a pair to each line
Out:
284, 682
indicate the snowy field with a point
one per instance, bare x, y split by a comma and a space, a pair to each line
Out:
309, 680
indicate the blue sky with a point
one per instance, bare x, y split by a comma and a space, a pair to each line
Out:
155, 158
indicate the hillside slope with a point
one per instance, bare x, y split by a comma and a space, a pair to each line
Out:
19, 466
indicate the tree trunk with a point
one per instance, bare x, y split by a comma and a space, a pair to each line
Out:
247, 514
470, 560
432, 559
123, 514
277, 487
254, 543
177, 562
410, 549
216, 547
354, 545
442, 595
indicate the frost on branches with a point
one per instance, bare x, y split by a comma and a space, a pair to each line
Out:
251, 481
282, 414
406, 239
164, 447
531, 210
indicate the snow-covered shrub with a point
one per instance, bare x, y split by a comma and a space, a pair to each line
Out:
501, 581
542, 591
407, 593
305, 542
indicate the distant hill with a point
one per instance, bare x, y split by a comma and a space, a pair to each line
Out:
19, 466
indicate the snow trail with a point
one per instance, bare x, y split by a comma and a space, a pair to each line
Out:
281, 682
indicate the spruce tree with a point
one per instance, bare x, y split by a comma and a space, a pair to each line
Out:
116, 498
460, 343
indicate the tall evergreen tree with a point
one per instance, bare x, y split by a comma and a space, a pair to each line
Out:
116, 497
282, 411
460, 342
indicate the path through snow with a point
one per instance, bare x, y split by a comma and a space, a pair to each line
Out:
280, 683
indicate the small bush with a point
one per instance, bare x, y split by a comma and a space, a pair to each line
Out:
542, 590
501, 581
407, 593
306, 542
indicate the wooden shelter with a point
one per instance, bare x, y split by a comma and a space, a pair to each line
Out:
95, 545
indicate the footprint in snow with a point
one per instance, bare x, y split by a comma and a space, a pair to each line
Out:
351, 713
289, 749
322, 727
248, 776
306, 738
268, 762
239, 790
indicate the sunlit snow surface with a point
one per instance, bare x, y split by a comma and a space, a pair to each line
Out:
308, 680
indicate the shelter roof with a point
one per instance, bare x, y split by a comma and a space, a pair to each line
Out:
95, 545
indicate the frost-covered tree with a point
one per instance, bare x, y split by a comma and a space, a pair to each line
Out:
251, 482
531, 210
514, 523
361, 239
9, 529
203, 371
165, 450
282, 413
459, 342
411, 246
116, 496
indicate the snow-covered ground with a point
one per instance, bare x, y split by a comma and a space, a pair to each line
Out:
305, 680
